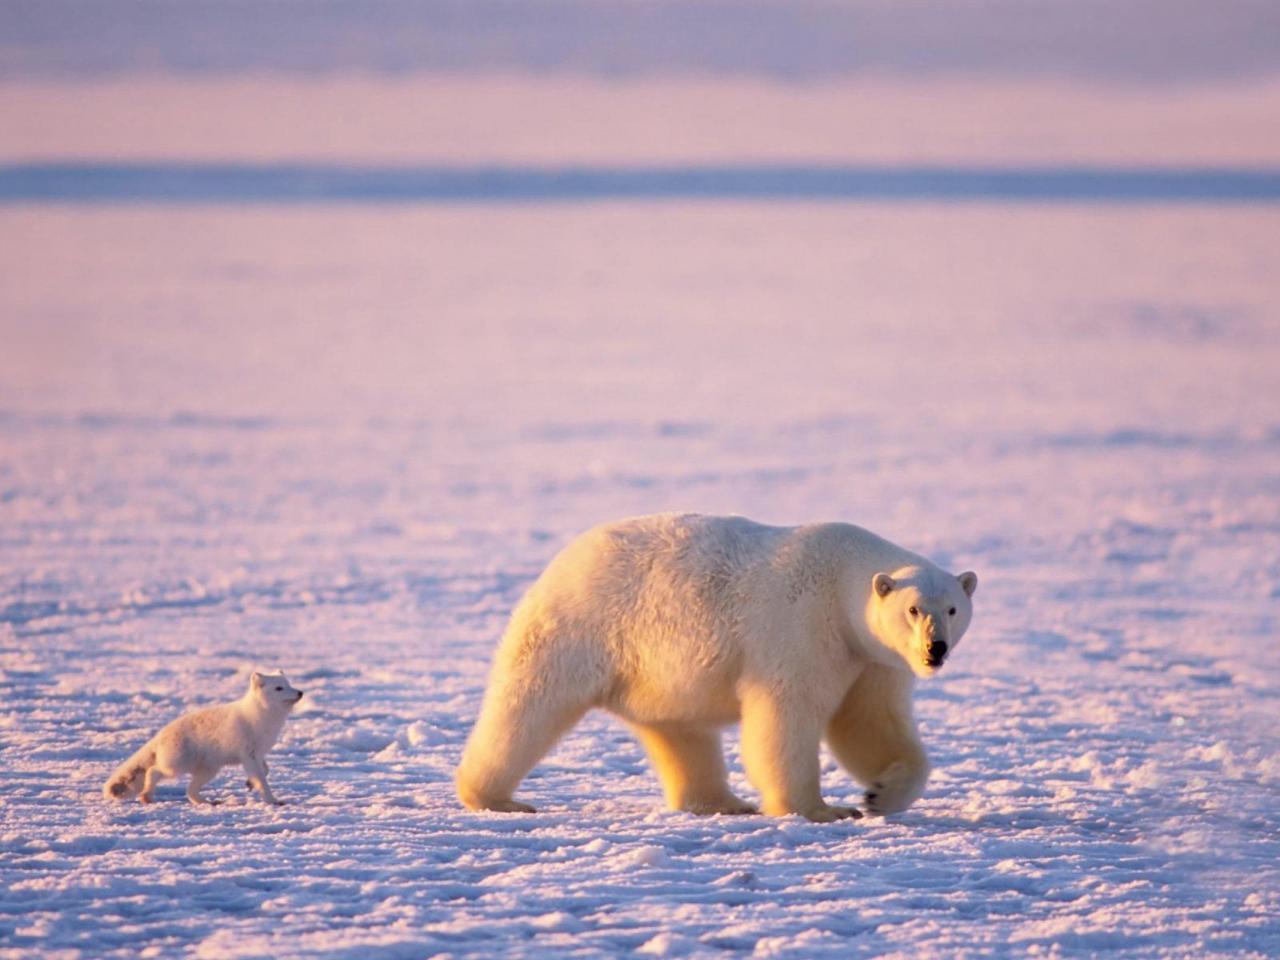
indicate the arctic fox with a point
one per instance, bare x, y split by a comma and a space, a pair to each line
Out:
203, 742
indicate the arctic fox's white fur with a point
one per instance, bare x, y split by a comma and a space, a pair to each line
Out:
682, 624
202, 742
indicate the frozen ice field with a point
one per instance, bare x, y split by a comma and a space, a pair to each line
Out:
342, 440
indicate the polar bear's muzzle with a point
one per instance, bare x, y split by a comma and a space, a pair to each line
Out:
937, 653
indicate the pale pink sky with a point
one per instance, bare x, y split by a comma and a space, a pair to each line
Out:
569, 118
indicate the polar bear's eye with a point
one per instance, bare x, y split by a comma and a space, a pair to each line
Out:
952, 611
913, 611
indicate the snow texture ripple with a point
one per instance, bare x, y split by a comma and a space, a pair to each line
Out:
341, 442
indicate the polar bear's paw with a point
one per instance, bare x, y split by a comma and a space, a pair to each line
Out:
498, 802
894, 790
828, 813
508, 806
729, 806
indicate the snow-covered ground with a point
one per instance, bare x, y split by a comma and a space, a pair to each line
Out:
342, 441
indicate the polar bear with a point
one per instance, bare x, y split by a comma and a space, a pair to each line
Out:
682, 624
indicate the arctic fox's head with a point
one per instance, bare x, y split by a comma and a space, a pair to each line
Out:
274, 691
920, 613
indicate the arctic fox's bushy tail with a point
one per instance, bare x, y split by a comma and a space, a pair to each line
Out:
126, 782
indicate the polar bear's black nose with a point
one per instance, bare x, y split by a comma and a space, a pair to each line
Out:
937, 650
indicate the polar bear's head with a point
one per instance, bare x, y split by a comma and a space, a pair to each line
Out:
920, 613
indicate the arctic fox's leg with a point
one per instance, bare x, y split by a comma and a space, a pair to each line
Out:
198, 779
780, 751
257, 773
149, 784
265, 770
873, 735
690, 763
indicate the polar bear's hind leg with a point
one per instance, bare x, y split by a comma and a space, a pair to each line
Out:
510, 737
689, 761
540, 687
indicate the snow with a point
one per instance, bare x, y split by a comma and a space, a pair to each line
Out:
329, 440
341, 440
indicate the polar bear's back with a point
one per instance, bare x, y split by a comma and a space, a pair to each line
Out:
636, 573
638, 602
691, 573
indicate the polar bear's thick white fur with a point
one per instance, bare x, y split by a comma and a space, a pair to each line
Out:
683, 624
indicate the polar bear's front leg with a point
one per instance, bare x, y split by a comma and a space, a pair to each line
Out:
690, 763
780, 751
873, 735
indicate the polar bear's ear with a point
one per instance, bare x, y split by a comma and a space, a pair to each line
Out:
968, 582
882, 583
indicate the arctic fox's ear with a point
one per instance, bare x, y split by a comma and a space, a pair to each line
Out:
882, 583
256, 679
968, 582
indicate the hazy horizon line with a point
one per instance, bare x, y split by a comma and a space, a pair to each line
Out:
294, 183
